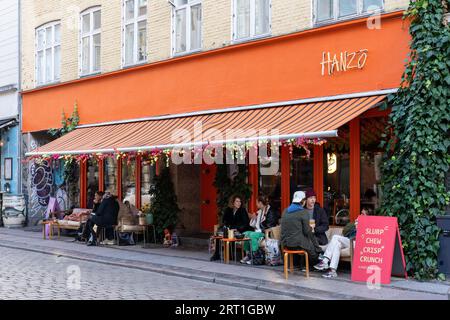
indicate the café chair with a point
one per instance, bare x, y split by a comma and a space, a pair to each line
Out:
289, 257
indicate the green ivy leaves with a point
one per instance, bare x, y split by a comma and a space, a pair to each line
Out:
417, 156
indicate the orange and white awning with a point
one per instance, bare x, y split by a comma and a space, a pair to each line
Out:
308, 120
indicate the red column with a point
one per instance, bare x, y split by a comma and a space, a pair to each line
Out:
318, 173
138, 181
83, 183
119, 179
285, 177
208, 211
253, 181
355, 168
101, 175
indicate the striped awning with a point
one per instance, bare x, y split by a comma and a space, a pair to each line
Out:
309, 120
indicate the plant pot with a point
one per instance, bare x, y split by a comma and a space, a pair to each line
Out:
149, 218
142, 221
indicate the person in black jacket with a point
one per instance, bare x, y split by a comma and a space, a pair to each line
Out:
234, 217
320, 217
104, 217
83, 232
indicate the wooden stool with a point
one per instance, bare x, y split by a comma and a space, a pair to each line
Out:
290, 254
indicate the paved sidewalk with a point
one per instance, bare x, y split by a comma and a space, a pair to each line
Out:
196, 265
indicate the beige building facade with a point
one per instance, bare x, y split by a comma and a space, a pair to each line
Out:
217, 28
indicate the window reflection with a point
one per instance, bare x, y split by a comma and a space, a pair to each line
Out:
148, 173
337, 177
110, 176
302, 170
92, 181
129, 180
270, 184
371, 156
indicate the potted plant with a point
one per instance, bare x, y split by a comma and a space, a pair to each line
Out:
148, 215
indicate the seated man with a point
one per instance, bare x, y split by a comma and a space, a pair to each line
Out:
296, 232
318, 215
332, 254
105, 217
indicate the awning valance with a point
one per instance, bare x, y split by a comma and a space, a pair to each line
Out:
309, 120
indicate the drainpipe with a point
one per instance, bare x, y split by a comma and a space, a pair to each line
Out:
19, 101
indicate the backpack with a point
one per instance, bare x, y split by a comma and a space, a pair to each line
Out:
258, 257
273, 253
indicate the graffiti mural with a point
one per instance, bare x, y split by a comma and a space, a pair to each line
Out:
41, 185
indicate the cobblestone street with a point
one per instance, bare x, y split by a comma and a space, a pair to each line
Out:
30, 275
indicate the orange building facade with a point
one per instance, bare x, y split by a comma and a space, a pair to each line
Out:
334, 77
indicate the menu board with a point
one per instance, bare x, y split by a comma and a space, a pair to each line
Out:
376, 239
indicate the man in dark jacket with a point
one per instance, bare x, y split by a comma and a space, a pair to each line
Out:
296, 233
104, 217
319, 216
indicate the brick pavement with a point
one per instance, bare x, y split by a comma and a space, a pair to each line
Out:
194, 265
32, 275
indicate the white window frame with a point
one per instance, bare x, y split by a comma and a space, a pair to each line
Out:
188, 6
52, 46
252, 23
336, 15
135, 21
91, 35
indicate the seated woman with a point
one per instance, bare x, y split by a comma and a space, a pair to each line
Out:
263, 219
234, 217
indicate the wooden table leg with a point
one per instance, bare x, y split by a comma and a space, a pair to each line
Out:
43, 231
227, 252
286, 265
291, 262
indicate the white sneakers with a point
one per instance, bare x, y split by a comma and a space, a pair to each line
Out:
107, 242
246, 260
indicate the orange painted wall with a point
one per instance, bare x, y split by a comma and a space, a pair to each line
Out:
271, 70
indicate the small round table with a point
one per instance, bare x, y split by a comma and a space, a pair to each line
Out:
227, 241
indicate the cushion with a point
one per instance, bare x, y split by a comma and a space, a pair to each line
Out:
131, 228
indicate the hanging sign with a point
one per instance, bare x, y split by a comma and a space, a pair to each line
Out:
378, 252
343, 61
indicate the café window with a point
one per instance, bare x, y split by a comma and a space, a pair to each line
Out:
333, 10
92, 181
187, 26
302, 170
337, 177
73, 184
251, 19
110, 175
270, 180
148, 174
129, 180
371, 157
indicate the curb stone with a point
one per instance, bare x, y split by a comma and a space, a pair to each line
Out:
171, 271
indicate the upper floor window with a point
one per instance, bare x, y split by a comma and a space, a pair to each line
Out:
251, 19
329, 10
90, 41
134, 32
187, 26
48, 53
